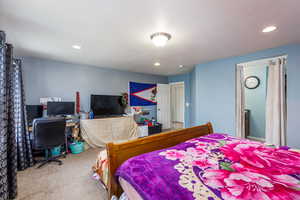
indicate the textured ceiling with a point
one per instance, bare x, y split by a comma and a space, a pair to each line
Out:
115, 33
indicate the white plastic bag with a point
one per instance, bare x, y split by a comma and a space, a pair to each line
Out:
122, 197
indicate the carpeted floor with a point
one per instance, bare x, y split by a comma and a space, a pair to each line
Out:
70, 181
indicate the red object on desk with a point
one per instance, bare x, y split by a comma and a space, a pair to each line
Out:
77, 102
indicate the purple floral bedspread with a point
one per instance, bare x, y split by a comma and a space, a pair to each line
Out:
213, 167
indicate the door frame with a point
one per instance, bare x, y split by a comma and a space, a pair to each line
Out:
173, 84
239, 87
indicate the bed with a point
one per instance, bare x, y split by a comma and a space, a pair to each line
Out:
196, 163
119, 153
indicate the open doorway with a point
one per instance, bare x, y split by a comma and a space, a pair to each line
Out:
261, 100
177, 105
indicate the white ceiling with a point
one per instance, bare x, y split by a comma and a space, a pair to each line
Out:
115, 33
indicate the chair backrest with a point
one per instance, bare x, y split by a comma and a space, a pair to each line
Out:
33, 111
48, 132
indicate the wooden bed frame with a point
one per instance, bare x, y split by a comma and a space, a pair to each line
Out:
118, 153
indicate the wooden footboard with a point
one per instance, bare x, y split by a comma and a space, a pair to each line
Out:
118, 153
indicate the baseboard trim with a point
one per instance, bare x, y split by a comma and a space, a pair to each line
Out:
256, 138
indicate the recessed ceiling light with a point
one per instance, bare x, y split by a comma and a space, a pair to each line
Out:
157, 64
76, 46
180, 66
269, 29
160, 39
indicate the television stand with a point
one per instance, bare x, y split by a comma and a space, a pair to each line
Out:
107, 116
99, 132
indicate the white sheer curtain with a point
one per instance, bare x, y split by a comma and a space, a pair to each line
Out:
275, 103
240, 102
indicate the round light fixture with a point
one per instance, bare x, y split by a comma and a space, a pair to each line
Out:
160, 38
180, 66
75, 46
157, 64
269, 29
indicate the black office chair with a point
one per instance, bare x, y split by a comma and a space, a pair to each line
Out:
47, 134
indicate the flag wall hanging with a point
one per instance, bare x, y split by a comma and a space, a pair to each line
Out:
142, 94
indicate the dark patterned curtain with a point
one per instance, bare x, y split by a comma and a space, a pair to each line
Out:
19, 119
15, 152
8, 173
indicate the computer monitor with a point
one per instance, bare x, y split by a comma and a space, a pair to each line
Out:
33, 111
60, 108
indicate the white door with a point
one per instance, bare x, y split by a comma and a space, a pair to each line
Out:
177, 103
163, 105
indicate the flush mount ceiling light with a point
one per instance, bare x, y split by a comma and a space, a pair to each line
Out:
269, 29
160, 38
157, 64
180, 66
75, 46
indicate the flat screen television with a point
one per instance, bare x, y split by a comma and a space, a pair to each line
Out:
106, 105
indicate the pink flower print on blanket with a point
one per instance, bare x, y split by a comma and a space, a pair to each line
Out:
247, 185
259, 157
174, 154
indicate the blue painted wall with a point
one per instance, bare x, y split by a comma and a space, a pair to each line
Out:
47, 78
215, 91
187, 90
255, 100
212, 87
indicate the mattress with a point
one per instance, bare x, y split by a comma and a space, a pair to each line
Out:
130, 192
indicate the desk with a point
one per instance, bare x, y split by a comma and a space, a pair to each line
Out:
68, 124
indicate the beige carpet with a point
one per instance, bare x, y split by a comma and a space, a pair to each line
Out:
70, 181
